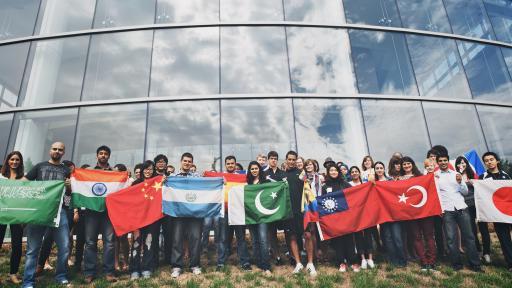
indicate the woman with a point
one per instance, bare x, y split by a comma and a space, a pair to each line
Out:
344, 171
355, 174
147, 263
394, 167
343, 245
420, 230
367, 166
260, 243
13, 169
300, 163
463, 167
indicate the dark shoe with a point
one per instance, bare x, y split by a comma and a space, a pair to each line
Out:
476, 269
89, 279
457, 267
279, 261
220, 268
111, 278
246, 267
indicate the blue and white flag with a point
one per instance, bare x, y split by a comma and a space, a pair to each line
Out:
196, 197
474, 161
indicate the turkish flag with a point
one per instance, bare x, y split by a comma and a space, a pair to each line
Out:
369, 204
135, 207
493, 200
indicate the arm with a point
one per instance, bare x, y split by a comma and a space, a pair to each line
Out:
463, 188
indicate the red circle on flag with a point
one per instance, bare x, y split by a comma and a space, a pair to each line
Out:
502, 199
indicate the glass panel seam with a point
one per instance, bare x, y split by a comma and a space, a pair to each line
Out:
364, 126
425, 123
481, 127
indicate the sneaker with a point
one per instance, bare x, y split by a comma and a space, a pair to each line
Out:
424, 268
268, 273
134, 276
298, 268
14, 279
371, 264
279, 262
89, 279
47, 266
219, 268
196, 270
487, 259
146, 274
343, 268
311, 269
70, 263
246, 267
355, 268
364, 264
176, 272
476, 269
111, 278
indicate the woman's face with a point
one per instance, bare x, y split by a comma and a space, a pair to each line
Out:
333, 172
343, 170
461, 166
148, 172
137, 173
407, 167
354, 173
379, 170
255, 171
398, 166
367, 163
14, 161
310, 168
299, 164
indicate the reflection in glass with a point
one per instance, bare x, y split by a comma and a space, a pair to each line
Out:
65, 15
323, 11
251, 127
118, 13
118, 66
468, 18
500, 14
12, 63
120, 127
179, 11
372, 12
381, 62
17, 18
455, 126
254, 60
395, 126
507, 55
486, 71
185, 61
178, 127
319, 61
35, 132
330, 128
437, 67
56, 72
497, 129
424, 15
250, 10
5, 129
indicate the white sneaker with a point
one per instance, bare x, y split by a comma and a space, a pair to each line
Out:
371, 264
311, 269
487, 258
196, 270
176, 272
298, 268
343, 268
146, 274
364, 264
134, 276
268, 273
355, 268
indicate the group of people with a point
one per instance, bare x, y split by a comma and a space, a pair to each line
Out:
450, 234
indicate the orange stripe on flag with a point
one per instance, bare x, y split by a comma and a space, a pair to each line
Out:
99, 175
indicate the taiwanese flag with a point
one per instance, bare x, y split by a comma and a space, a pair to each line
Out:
230, 180
135, 207
367, 205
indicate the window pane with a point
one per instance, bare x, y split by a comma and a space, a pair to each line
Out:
424, 15
12, 63
56, 72
178, 127
254, 60
118, 13
324, 11
17, 18
468, 18
507, 55
500, 14
372, 12
65, 15
438, 68
395, 126
185, 61
34, 133
120, 127
251, 10
320, 61
5, 129
486, 71
455, 126
330, 128
497, 129
381, 62
179, 11
250, 127
118, 66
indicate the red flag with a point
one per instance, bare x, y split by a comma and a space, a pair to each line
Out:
367, 205
135, 207
230, 180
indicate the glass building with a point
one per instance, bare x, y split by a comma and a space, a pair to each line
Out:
339, 78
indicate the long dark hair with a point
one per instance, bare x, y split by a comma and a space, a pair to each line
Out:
469, 172
250, 178
350, 172
364, 160
6, 169
379, 162
328, 177
415, 171
391, 167
146, 164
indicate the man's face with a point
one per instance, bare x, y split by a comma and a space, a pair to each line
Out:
230, 165
262, 161
291, 160
443, 163
103, 157
186, 163
161, 165
272, 161
57, 150
490, 162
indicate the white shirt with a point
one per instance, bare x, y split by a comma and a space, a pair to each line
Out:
450, 191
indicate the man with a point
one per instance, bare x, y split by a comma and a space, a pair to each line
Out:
262, 160
161, 164
52, 169
492, 163
455, 215
94, 223
186, 226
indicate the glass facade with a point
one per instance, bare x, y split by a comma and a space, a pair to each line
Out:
243, 86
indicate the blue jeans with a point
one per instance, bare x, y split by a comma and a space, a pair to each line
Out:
94, 223
260, 245
392, 238
241, 244
453, 221
219, 226
35, 234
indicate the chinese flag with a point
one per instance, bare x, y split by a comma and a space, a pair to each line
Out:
135, 207
369, 204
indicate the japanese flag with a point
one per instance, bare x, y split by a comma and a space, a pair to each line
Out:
493, 199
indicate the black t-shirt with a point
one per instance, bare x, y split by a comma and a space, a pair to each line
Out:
46, 171
279, 175
296, 185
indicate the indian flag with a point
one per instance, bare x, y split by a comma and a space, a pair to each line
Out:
90, 187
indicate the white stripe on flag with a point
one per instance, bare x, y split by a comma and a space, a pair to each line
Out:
236, 206
85, 187
486, 210
192, 196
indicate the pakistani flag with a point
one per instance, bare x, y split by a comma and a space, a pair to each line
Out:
31, 202
260, 203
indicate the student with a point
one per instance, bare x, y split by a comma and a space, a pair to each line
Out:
367, 166
315, 181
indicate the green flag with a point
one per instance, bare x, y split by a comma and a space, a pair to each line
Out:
260, 203
31, 202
